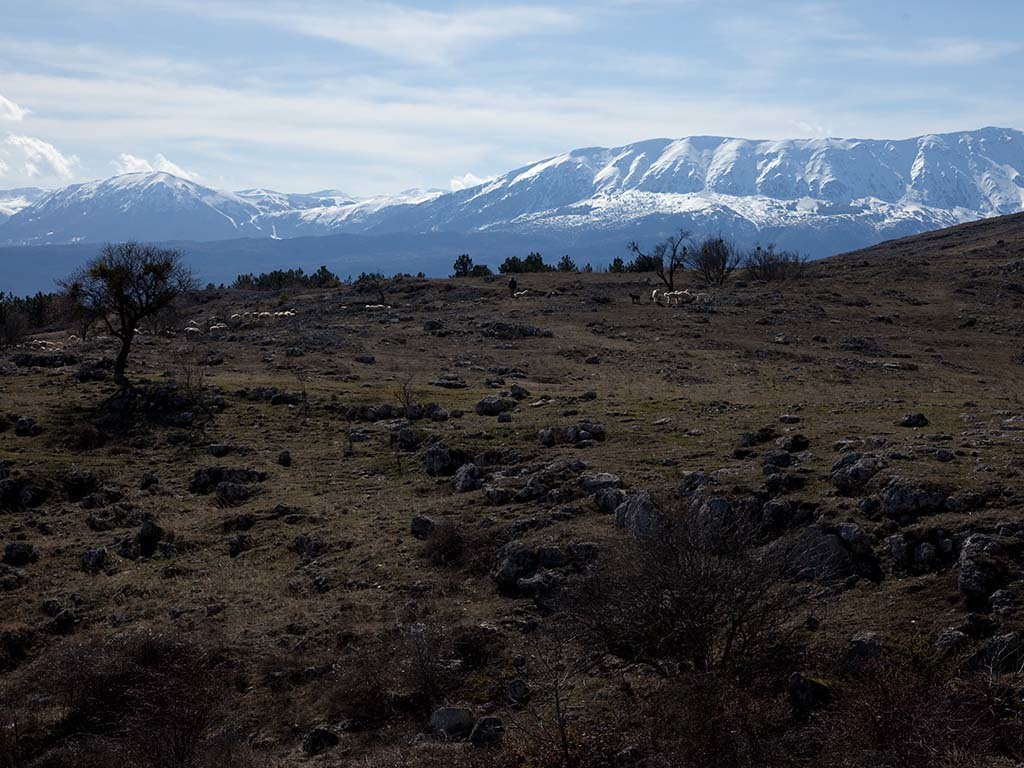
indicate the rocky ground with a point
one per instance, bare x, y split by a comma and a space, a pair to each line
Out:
460, 528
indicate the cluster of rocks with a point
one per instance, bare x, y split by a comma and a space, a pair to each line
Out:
509, 331
95, 370
536, 572
459, 724
580, 434
388, 412
19, 491
44, 359
231, 485
151, 540
553, 483
23, 426
271, 395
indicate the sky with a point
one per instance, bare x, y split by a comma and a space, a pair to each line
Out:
376, 97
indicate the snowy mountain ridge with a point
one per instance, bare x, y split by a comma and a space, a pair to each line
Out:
822, 195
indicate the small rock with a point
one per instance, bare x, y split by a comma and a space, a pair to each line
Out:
93, 560
18, 554
912, 420
319, 739
487, 732
421, 527
452, 723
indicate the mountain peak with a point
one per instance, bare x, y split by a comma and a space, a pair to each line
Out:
822, 194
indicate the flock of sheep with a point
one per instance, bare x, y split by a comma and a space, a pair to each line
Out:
214, 323
665, 298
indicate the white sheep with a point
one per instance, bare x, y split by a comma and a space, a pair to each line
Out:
193, 331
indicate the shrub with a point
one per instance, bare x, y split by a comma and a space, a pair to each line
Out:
701, 594
534, 262
715, 259
770, 265
445, 546
281, 279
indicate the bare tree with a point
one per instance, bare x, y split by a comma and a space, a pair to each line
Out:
127, 283
715, 259
668, 257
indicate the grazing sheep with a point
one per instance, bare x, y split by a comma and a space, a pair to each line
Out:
193, 331
635, 298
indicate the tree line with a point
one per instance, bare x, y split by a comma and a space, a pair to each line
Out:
714, 259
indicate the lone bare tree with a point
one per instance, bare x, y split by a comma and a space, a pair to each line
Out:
123, 285
668, 256
715, 259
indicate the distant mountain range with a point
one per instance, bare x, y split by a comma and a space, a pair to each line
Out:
821, 196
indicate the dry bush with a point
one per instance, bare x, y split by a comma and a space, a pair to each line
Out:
13, 327
770, 265
446, 545
143, 699
915, 709
708, 720
699, 596
715, 259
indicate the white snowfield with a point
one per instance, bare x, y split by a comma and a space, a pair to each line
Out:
853, 189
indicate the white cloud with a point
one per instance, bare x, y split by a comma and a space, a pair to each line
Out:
396, 31
38, 159
468, 180
10, 111
126, 163
942, 51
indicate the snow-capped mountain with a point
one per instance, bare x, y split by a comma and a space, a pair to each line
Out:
147, 206
819, 195
14, 200
857, 190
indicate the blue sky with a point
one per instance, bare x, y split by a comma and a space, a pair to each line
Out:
371, 97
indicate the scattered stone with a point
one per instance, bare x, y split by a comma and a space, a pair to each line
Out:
148, 537
452, 723
467, 478
492, 405
487, 732
609, 499
516, 562
639, 516
901, 499
319, 739
981, 571
593, 482
950, 640
18, 554
93, 560
239, 543
852, 472
518, 691
421, 527
807, 693
27, 427
442, 461
864, 648
912, 420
